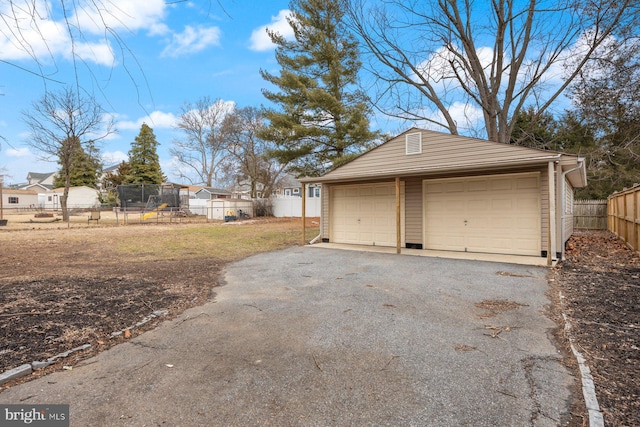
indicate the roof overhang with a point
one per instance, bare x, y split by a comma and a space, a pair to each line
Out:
576, 172
452, 169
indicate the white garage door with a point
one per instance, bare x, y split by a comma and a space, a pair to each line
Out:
495, 214
365, 214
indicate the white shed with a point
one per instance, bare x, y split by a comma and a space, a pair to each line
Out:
229, 208
79, 198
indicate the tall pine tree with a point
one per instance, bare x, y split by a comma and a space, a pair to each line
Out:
321, 118
84, 165
144, 164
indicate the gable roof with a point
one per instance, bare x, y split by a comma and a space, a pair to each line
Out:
289, 181
212, 190
45, 187
11, 191
39, 176
440, 154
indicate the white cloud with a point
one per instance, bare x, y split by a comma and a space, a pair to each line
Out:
121, 15
467, 116
36, 29
111, 158
18, 152
192, 40
260, 40
156, 120
99, 53
23, 37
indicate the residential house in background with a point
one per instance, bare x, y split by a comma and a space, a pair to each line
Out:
242, 190
210, 193
43, 179
13, 199
288, 186
103, 175
196, 198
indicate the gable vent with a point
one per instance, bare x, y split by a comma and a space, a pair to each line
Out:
413, 143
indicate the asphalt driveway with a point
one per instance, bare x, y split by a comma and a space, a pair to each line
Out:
321, 337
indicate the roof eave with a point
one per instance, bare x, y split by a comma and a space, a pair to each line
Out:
433, 171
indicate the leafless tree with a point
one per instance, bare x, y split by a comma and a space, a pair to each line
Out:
203, 151
447, 61
63, 122
250, 162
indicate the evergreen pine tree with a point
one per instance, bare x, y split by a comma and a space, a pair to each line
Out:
322, 117
144, 163
84, 166
118, 177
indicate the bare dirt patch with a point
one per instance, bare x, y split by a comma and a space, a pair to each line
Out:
600, 285
496, 306
63, 288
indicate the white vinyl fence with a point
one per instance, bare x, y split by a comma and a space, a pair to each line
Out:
198, 206
282, 206
292, 207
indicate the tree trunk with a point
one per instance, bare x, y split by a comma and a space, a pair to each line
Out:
65, 196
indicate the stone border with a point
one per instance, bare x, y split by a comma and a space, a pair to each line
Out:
596, 418
28, 368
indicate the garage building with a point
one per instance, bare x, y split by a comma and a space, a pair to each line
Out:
435, 191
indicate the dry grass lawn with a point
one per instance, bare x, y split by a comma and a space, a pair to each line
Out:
63, 286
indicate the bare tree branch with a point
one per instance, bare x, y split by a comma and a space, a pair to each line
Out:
204, 147
60, 123
500, 56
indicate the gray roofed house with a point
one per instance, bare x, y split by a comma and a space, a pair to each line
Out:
45, 179
209, 193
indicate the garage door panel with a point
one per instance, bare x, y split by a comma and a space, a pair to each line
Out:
480, 207
527, 183
434, 188
500, 184
370, 213
502, 214
477, 186
446, 243
455, 187
499, 205
453, 206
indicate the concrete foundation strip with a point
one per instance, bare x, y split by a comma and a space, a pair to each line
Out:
588, 387
27, 368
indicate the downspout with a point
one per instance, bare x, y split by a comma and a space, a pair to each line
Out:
564, 207
552, 236
315, 239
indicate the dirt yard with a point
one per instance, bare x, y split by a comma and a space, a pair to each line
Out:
600, 282
61, 288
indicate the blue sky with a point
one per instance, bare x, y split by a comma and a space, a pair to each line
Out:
171, 52
185, 51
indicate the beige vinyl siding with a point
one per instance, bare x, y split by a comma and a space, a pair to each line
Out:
568, 210
544, 207
439, 152
413, 210
324, 213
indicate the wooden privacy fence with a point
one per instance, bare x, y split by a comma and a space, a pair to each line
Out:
624, 215
590, 214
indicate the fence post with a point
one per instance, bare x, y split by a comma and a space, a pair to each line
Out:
634, 224
624, 220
